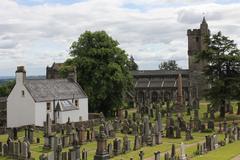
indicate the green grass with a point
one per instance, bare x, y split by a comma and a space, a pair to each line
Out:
224, 153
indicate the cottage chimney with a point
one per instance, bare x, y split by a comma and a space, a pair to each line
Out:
20, 75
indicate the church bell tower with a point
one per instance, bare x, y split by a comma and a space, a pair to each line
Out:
197, 42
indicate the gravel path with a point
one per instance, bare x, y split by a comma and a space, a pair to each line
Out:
236, 158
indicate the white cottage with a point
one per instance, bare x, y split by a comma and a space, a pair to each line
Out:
31, 100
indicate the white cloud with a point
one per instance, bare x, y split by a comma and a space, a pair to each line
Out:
151, 31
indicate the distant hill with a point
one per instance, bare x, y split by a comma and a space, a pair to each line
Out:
4, 79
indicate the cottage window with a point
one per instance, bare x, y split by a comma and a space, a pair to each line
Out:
48, 106
23, 93
76, 103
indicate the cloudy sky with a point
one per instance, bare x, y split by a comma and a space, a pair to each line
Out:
36, 33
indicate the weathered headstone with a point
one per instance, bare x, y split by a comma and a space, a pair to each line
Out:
137, 144
15, 133
126, 144
84, 154
1, 148
5, 150
141, 154
110, 149
173, 151
211, 124
182, 152
101, 152
117, 146
157, 155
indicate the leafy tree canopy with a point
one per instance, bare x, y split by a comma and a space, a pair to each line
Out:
133, 65
103, 70
6, 88
169, 65
222, 70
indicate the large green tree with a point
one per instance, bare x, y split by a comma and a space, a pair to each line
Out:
222, 70
169, 65
103, 70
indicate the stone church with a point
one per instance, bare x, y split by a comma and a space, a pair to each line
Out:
161, 85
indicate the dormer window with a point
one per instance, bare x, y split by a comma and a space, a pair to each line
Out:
23, 93
76, 103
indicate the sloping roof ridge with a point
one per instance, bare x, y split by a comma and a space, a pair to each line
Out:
80, 88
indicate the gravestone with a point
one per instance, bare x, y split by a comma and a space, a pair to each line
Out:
157, 155
43, 157
84, 154
211, 124
110, 149
159, 121
166, 156
48, 127
11, 148
220, 127
31, 135
16, 150
126, 114
15, 133
182, 152
64, 156
24, 150
126, 144
82, 135
117, 146
116, 125
238, 108
137, 144
178, 132
170, 132
225, 125
5, 150
188, 135
101, 152
134, 128
1, 148
125, 127
141, 154
173, 151
146, 131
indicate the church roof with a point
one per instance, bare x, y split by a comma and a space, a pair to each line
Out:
54, 89
160, 72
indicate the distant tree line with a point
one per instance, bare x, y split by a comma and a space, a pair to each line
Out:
169, 65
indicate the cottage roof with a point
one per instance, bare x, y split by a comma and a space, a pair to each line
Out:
54, 89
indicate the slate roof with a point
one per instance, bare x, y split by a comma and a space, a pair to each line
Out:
54, 89
159, 72
160, 83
